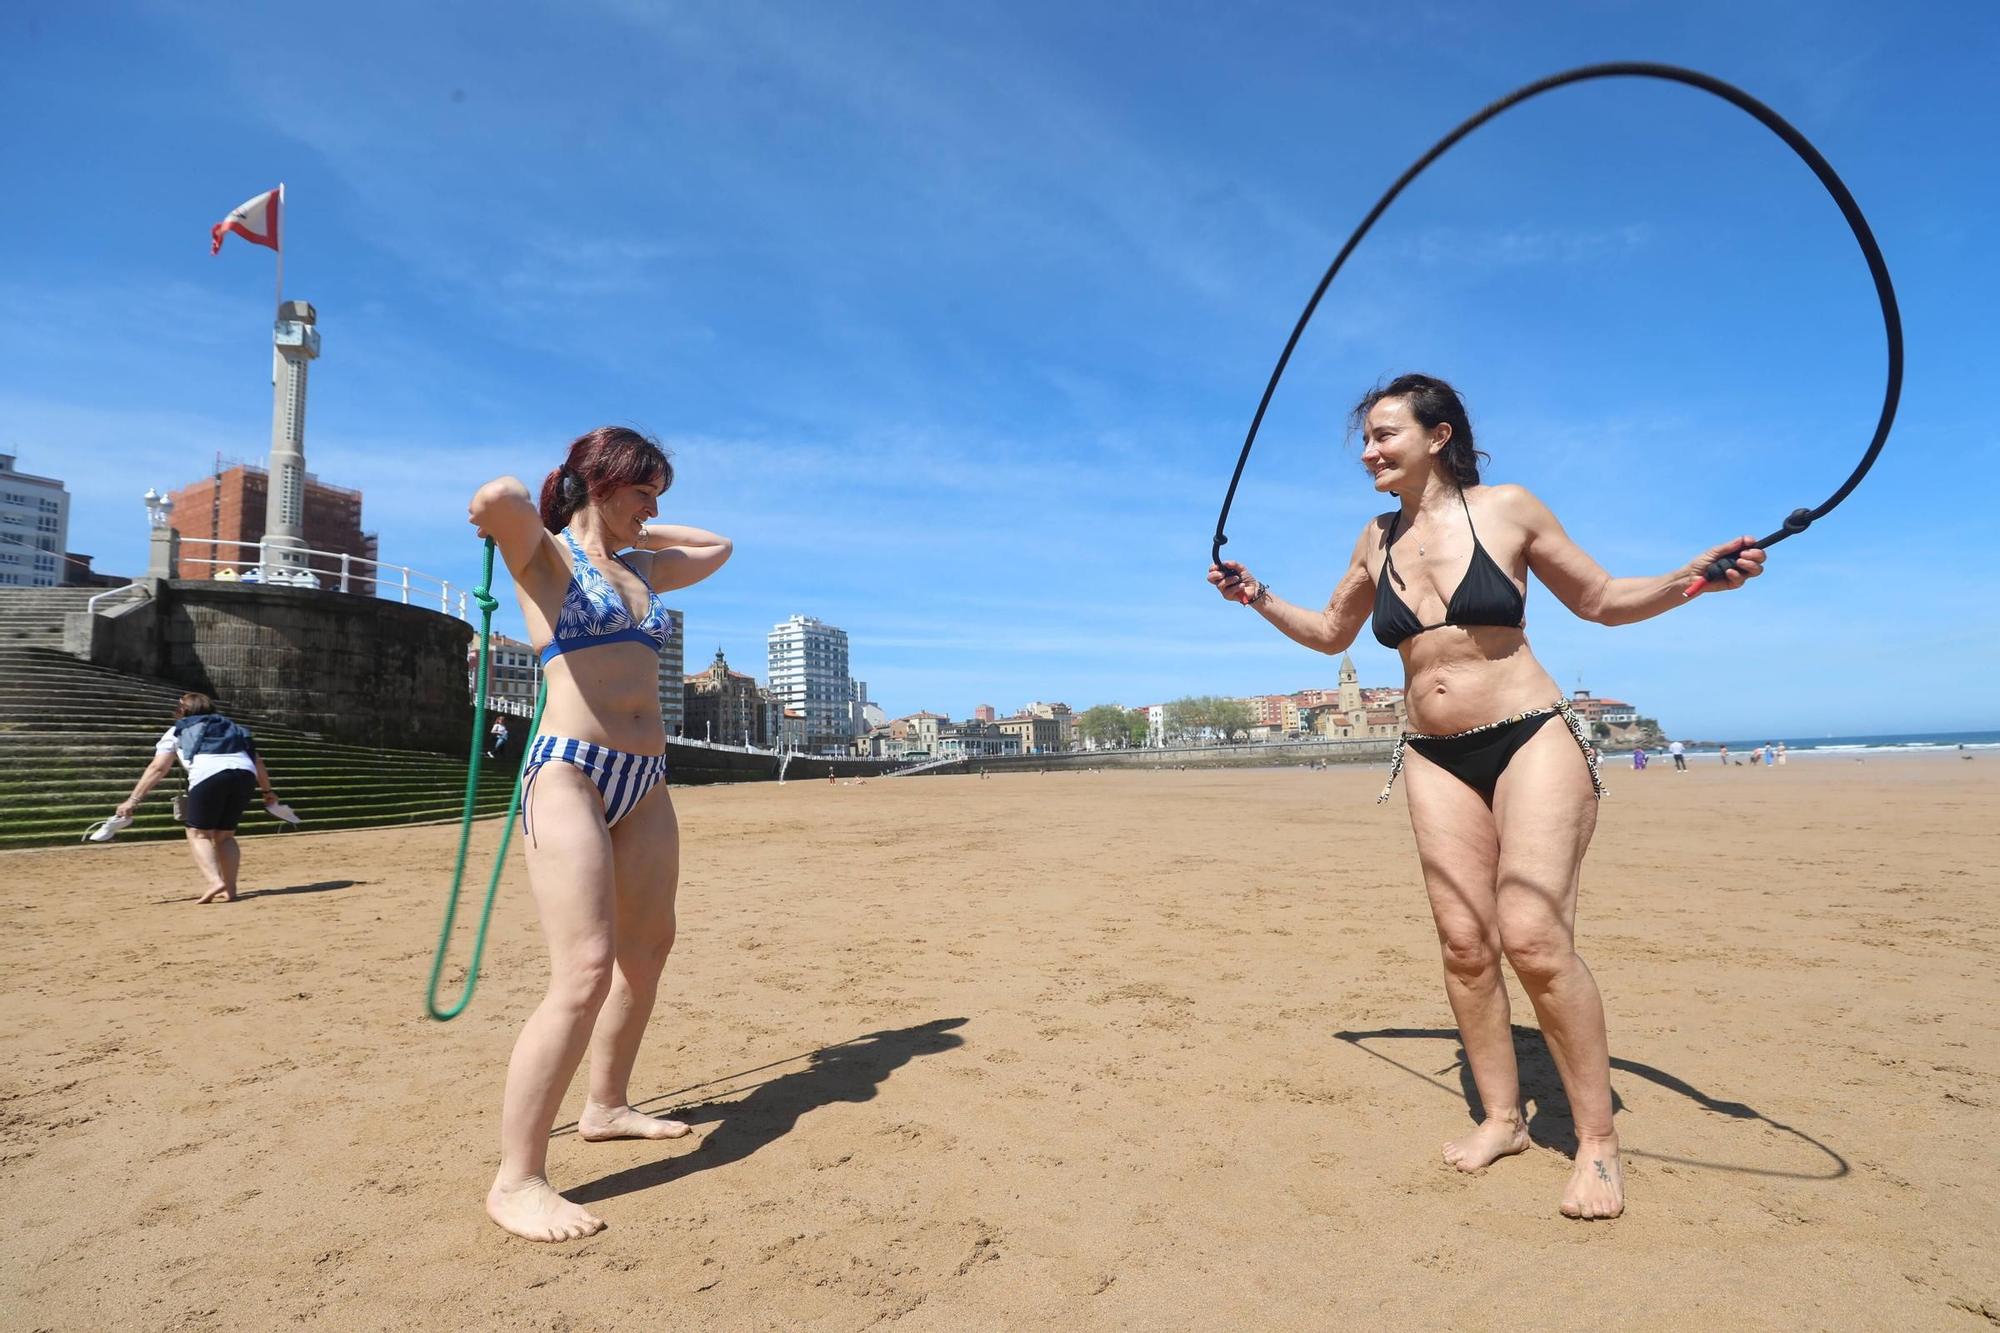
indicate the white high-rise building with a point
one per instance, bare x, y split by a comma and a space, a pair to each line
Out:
808, 668
862, 712
34, 528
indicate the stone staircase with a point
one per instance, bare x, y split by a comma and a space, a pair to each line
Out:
930, 765
35, 615
74, 738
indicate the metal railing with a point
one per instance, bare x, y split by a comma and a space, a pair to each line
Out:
513, 706
929, 764
91, 605
273, 564
773, 753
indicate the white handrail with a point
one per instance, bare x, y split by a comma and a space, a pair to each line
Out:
401, 578
91, 605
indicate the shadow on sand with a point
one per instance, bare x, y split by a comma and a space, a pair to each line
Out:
1549, 1120
324, 886
849, 1071
245, 895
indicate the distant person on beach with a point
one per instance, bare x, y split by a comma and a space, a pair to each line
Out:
1781, 751
1679, 752
496, 739
1639, 758
1770, 755
1756, 756
1723, 750
1502, 804
223, 768
602, 844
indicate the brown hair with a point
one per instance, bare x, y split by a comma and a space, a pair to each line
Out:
1433, 403
597, 464
192, 704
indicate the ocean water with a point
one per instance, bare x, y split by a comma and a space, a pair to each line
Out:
1918, 743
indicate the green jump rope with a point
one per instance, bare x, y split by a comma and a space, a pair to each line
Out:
483, 595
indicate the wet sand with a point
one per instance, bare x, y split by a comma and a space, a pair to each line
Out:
1122, 1050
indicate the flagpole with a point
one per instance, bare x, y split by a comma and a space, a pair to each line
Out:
280, 247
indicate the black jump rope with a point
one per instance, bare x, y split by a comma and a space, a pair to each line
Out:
1892, 324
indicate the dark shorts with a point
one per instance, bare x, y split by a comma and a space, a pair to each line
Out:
218, 801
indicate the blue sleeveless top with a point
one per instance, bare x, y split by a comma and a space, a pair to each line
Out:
593, 613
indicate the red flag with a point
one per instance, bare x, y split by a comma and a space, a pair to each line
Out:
255, 220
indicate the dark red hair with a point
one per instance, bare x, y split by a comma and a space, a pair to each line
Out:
598, 463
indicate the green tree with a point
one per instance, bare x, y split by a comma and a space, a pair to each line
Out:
1187, 719
1230, 718
1108, 725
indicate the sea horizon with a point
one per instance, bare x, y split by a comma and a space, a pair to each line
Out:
1896, 742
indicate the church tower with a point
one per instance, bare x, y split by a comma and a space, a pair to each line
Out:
1350, 690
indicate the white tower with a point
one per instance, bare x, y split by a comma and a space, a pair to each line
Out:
294, 342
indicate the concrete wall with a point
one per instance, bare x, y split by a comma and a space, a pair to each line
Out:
358, 669
1193, 756
124, 638
699, 764
355, 668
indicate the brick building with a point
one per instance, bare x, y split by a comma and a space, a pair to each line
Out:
513, 674
230, 506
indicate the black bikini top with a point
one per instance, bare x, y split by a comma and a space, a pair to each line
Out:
1485, 596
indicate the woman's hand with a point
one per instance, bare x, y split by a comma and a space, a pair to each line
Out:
680, 556
1234, 582
1745, 561
127, 806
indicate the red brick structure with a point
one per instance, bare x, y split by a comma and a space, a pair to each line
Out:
230, 508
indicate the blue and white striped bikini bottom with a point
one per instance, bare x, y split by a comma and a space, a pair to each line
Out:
622, 779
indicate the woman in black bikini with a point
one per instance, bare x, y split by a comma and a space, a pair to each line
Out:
1502, 804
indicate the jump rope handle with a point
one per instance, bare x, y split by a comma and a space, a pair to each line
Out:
1215, 552
1717, 573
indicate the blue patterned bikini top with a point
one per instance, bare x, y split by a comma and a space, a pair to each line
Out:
593, 613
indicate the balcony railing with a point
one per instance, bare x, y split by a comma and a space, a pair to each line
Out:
271, 562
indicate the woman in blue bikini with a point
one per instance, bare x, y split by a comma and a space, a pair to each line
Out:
602, 844
1502, 804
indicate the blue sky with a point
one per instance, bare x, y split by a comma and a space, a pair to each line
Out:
954, 315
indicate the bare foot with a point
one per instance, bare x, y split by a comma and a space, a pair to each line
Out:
217, 895
1496, 1137
1597, 1186
534, 1211
599, 1124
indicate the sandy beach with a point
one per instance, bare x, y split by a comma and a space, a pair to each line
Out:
1123, 1050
